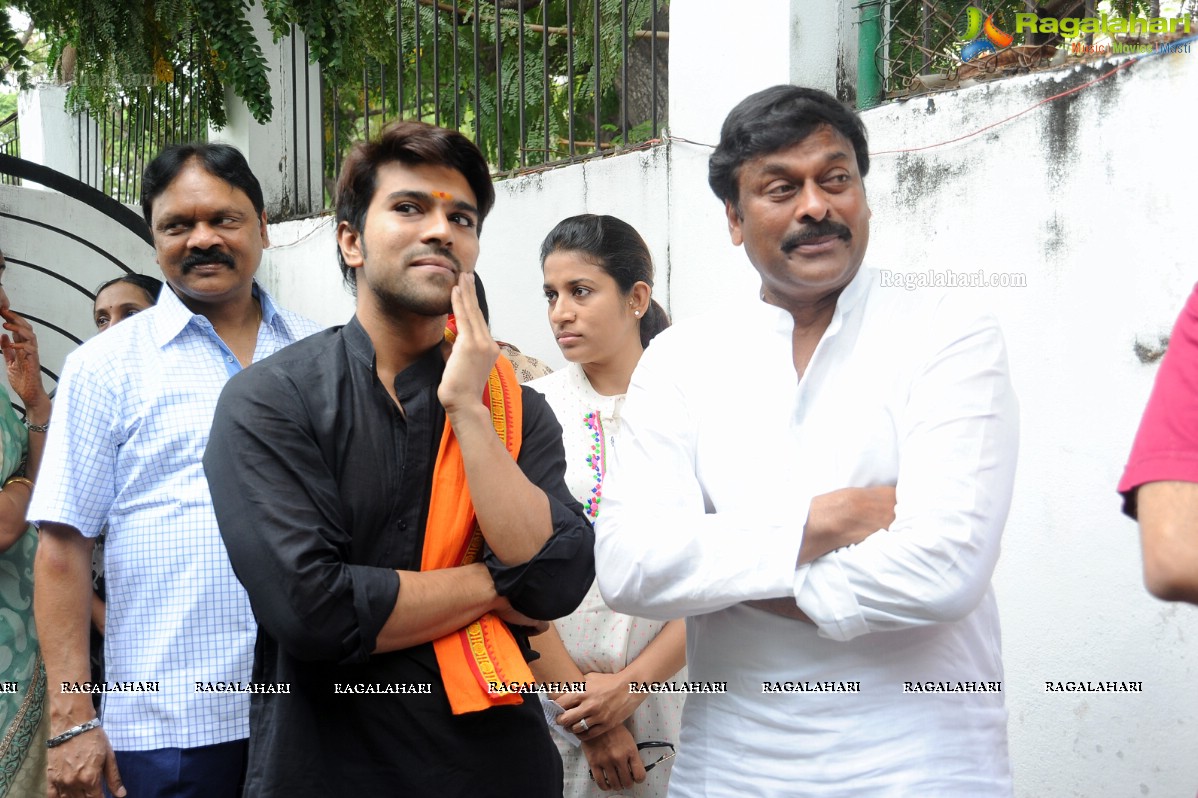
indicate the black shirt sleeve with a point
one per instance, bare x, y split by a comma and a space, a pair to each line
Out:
555, 581
280, 515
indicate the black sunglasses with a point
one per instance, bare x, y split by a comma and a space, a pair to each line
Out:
649, 744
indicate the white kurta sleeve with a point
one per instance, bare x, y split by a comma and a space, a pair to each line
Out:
659, 552
958, 438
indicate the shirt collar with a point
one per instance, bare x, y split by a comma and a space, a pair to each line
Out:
171, 316
850, 299
358, 343
855, 292
425, 371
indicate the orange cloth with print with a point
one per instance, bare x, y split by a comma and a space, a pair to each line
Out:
483, 654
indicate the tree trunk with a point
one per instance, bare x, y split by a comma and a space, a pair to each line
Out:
642, 72
66, 64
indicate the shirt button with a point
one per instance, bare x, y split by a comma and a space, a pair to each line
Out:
229, 358
403, 525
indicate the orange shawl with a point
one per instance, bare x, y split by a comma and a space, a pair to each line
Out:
478, 660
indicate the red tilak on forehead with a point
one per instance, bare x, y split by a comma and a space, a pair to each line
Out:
441, 195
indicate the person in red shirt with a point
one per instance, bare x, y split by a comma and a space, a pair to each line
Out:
1160, 483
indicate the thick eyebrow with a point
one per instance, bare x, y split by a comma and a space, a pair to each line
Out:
170, 218
571, 283
427, 198
775, 168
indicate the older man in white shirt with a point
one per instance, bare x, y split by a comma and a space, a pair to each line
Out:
858, 636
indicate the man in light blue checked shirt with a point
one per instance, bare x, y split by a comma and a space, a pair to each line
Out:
132, 415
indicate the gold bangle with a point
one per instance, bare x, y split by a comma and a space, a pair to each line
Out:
21, 480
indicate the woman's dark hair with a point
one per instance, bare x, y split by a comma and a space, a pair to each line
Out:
616, 247
219, 160
151, 285
772, 120
411, 143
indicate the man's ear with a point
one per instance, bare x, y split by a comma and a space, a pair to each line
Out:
734, 220
265, 230
349, 241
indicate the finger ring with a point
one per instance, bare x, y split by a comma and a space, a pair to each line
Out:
583, 724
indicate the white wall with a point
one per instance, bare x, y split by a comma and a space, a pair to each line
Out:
300, 269
1078, 195
49, 134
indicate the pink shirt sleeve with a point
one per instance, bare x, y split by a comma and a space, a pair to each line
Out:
1166, 446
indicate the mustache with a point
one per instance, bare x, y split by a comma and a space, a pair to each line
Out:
817, 230
440, 252
205, 256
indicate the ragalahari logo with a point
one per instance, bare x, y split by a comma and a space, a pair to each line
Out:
983, 35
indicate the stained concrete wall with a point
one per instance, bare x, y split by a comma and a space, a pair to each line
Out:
1080, 195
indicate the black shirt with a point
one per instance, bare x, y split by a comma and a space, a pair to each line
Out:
321, 488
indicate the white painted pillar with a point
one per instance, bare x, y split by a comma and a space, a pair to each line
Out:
720, 54
49, 133
824, 46
285, 152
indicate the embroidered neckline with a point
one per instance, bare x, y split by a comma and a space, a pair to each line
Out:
597, 460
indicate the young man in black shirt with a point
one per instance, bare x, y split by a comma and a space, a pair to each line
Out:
347, 473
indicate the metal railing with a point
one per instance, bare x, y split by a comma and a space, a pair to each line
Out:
542, 83
304, 195
534, 83
116, 144
10, 144
922, 41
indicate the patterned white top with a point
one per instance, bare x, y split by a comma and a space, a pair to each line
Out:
131, 420
599, 639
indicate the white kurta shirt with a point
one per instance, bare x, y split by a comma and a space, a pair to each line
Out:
721, 452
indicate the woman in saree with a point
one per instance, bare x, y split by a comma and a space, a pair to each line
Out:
23, 720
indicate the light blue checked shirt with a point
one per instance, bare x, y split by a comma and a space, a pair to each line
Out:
131, 420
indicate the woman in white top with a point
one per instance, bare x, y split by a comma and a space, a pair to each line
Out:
598, 282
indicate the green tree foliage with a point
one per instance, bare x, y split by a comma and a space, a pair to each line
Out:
13, 59
108, 49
